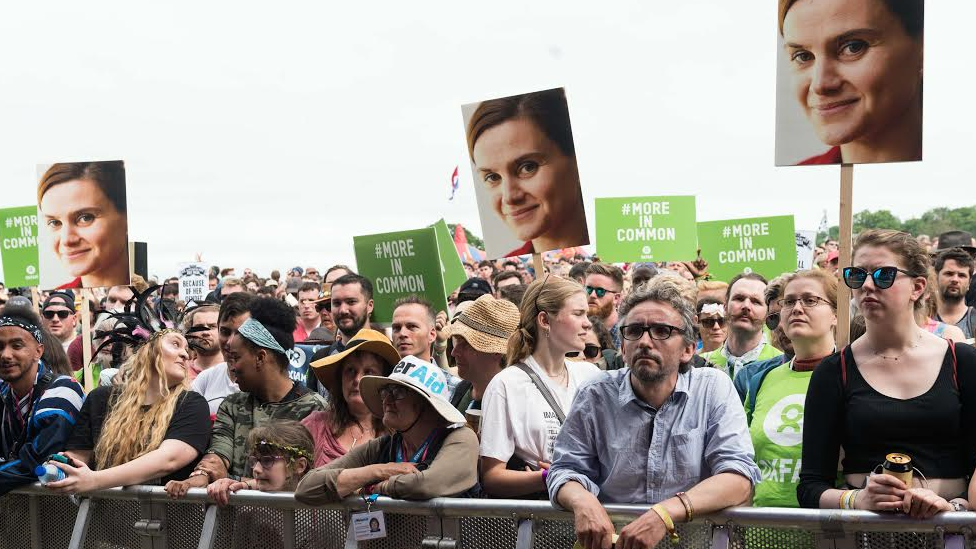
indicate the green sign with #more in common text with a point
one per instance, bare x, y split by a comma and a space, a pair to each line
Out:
764, 245
18, 246
399, 264
646, 228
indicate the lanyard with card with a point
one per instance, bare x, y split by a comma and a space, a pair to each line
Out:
368, 525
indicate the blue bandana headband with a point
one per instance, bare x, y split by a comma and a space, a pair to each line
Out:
257, 334
23, 325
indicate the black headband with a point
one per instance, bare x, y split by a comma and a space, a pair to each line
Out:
22, 324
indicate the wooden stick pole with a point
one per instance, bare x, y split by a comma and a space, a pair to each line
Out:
36, 299
540, 269
86, 341
843, 334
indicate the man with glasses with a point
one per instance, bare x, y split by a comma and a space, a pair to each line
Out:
58, 312
745, 313
604, 284
658, 431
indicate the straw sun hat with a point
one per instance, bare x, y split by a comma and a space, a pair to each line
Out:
486, 324
364, 340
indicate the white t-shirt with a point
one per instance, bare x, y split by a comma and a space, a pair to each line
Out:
515, 417
214, 385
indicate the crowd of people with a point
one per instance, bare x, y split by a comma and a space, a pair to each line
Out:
586, 384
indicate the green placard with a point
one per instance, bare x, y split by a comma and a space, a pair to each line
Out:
646, 228
18, 244
765, 245
451, 266
400, 264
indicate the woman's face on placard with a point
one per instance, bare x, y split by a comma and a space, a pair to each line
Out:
855, 68
88, 233
532, 183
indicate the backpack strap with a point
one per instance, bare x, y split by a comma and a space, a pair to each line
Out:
955, 378
752, 390
544, 390
843, 366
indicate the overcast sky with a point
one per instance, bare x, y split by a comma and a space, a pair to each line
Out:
268, 134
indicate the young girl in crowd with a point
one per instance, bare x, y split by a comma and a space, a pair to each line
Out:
518, 426
898, 389
278, 456
146, 429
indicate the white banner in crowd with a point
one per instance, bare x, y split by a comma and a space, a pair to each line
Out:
193, 282
806, 241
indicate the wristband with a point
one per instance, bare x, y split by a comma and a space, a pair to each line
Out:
668, 523
545, 473
686, 501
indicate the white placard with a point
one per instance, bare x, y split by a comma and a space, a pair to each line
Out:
193, 282
806, 241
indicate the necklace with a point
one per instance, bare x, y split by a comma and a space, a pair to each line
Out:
918, 337
559, 379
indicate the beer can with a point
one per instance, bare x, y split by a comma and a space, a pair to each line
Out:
898, 466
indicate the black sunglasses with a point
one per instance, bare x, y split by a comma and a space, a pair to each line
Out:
772, 321
324, 306
60, 314
633, 332
883, 277
600, 292
590, 351
713, 322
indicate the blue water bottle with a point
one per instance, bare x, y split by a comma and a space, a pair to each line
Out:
48, 473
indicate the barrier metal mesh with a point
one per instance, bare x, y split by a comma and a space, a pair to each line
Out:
110, 524
770, 538
14, 522
897, 540
403, 532
487, 533
57, 520
184, 524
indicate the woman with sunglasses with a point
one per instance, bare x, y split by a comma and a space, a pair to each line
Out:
775, 394
430, 453
896, 389
519, 425
711, 324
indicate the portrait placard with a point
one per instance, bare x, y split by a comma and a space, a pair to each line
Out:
526, 180
646, 228
849, 82
18, 246
764, 245
83, 239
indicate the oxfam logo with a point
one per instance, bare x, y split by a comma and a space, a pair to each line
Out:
784, 421
31, 270
296, 357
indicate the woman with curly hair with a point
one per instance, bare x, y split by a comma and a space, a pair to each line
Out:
146, 429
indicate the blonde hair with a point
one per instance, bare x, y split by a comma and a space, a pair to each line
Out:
826, 280
903, 245
129, 431
546, 295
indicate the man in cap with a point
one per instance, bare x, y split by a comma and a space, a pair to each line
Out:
479, 336
472, 289
954, 269
59, 318
693, 438
964, 240
39, 407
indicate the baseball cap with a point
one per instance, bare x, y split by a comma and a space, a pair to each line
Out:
60, 297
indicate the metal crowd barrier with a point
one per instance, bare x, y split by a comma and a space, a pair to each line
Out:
144, 517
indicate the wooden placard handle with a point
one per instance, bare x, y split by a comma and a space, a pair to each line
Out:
86, 340
843, 335
538, 266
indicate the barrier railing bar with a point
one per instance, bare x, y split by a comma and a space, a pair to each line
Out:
526, 534
209, 532
35, 522
80, 529
288, 528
